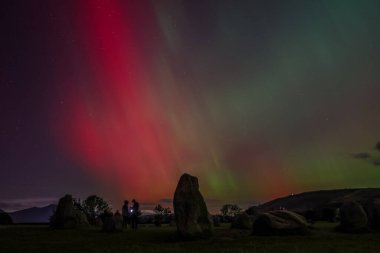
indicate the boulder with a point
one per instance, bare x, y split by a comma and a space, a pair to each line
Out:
280, 222
242, 221
112, 223
353, 218
118, 221
372, 209
108, 223
191, 214
66, 216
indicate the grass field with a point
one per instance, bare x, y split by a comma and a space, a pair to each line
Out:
33, 238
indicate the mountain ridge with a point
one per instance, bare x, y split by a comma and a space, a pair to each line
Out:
320, 199
33, 214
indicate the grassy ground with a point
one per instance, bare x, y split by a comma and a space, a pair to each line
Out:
151, 239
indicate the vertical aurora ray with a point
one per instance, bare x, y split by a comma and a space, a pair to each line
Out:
116, 127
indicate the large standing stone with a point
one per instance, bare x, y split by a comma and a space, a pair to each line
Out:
353, 218
279, 223
191, 214
66, 216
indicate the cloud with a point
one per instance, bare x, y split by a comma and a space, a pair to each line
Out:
374, 160
368, 157
362, 155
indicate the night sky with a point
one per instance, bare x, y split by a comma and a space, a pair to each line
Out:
258, 99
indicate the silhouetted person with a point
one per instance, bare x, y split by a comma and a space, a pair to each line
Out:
134, 213
125, 213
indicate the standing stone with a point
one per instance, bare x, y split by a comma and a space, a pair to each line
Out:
191, 214
118, 221
353, 218
112, 223
66, 216
108, 222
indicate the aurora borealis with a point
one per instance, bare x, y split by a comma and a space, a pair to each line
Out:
258, 99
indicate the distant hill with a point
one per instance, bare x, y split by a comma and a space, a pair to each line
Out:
1, 211
320, 199
33, 215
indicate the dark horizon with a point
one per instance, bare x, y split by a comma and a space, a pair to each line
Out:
213, 205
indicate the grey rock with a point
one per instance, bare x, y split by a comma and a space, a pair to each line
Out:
191, 214
353, 218
66, 216
280, 222
112, 223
